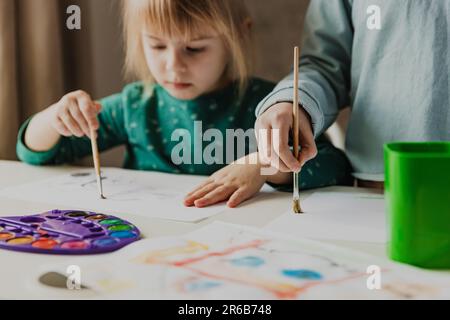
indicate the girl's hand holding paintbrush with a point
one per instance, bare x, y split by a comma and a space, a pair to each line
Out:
74, 115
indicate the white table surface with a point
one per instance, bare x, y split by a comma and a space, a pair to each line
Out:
16, 268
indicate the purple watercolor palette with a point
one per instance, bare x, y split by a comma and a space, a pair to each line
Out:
66, 232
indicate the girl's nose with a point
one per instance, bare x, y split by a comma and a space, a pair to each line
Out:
175, 62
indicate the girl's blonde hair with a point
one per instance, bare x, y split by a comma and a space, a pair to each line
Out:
187, 18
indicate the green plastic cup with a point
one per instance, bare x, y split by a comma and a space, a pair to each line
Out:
417, 188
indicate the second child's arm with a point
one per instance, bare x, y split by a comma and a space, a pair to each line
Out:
324, 82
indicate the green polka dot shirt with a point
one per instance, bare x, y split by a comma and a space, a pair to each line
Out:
152, 125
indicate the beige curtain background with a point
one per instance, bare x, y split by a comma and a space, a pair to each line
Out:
36, 62
40, 60
8, 82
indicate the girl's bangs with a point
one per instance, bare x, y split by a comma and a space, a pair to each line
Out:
178, 18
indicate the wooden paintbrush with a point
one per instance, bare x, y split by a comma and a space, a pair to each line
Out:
296, 195
96, 157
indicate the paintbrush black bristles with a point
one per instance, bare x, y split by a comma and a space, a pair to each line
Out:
296, 206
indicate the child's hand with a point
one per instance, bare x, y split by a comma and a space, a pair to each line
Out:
276, 152
235, 183
75, 114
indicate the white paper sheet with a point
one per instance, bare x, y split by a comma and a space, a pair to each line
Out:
225, 261
337, 216
153, 195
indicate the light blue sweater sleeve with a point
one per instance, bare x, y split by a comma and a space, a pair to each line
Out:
394, 76
325, 65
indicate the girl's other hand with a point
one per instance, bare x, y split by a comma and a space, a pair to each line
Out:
236, 183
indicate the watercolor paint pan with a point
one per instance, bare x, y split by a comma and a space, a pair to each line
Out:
66, 232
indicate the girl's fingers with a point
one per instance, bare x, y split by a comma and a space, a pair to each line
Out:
89, 109
189, 201
98, 107
61, 128
79, 118
203, 184
71, 124
218, 195
238, 197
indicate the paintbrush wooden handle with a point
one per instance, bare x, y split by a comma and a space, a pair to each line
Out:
295, 126
95, 153
296, 133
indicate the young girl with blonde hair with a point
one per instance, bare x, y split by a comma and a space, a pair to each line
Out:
193, 63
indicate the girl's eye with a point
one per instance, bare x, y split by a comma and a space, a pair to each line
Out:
195, 50
158, 47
